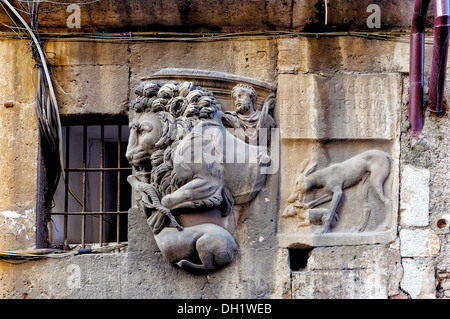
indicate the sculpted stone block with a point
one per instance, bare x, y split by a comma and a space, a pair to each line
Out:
326, 55
194, 161
345, 106
371, 168
340, 159
349, 202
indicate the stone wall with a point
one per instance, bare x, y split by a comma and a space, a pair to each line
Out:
227, 15
322, 82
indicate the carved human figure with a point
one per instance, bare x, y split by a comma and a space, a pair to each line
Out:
250, 124
372, 168
178, 146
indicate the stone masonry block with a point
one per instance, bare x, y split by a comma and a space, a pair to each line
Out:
414, 197
92, 89
418, 279
327, 55
419, 243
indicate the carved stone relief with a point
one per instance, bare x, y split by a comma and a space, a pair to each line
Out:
344, 106
340, 159
371, 169
195, 160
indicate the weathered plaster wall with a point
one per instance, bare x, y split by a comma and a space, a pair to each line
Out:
19, 144
99, 77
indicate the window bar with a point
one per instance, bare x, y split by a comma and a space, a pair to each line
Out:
102, 161
119, 142
83, 217
97, 169
66, 190
87, 213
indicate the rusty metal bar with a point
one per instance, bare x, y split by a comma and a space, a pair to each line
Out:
83, 217
88, 213
98, 169
102, 162
66, 189
119, 143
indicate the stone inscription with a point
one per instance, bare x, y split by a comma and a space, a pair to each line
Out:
345, 106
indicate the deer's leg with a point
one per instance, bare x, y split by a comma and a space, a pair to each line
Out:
378, 179
337, 196
323, 199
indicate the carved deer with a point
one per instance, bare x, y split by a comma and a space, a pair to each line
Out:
372, 167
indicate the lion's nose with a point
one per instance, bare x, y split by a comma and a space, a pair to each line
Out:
129, 155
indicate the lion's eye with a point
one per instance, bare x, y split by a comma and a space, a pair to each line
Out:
146, 127
134, 126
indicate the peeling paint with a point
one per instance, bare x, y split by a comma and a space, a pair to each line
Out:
11, 214
12, 219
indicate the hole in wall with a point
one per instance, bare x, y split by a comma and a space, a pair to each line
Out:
298, 258
441, 223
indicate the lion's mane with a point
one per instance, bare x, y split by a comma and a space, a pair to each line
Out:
180, 106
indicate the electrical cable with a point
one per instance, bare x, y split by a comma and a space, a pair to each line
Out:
205, 37
18, 257
46, 102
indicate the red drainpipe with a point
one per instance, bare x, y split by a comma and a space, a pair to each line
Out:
439, 63
440, 55
416, 74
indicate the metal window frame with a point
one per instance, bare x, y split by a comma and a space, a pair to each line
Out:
85, 122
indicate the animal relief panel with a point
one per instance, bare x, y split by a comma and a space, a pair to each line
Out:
339, 151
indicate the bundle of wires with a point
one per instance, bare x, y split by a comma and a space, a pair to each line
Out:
20, 257
46, 102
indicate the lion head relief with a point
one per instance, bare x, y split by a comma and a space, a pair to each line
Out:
164, 113
171, 123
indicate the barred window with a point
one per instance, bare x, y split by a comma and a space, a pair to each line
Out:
91, 207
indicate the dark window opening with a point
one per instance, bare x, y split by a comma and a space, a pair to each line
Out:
92, 206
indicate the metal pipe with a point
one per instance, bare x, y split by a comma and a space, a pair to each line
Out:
417, 66
102, 164
440, 55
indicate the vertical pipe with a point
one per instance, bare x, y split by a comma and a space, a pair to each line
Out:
440, 55
416, 73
